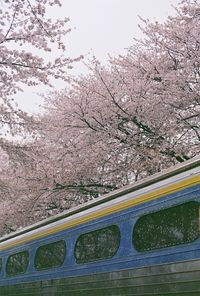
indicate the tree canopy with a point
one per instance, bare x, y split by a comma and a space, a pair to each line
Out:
119, 123
27, 37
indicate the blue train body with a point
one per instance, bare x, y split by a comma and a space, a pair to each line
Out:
141, 240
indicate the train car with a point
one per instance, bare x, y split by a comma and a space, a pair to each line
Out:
140, 240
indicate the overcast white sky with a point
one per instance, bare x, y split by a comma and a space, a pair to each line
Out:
108, 26
101, 27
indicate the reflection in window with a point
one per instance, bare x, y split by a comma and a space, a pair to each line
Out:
173, 226
17, 263
99, 244
51, 255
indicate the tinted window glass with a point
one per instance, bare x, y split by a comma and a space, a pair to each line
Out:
100, 244
17, 263
51, 255
168, 227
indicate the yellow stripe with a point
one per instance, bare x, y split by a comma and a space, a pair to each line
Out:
101, 213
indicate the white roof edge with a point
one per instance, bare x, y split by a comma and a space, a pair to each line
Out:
172, 171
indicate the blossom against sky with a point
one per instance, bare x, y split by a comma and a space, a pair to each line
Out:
99, 28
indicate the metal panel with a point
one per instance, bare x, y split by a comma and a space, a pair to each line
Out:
180, 279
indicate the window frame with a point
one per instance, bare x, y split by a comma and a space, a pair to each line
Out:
172, 245
78, 261
1, 264
26, 251
43, 246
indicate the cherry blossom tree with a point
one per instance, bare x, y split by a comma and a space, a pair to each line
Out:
27, 37
120, 123
134, 117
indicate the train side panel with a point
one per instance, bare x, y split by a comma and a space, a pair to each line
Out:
169, 270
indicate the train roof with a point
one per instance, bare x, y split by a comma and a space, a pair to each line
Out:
165, 174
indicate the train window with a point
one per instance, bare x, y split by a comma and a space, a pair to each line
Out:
50, 255
96, 245
17, 263
172, 226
